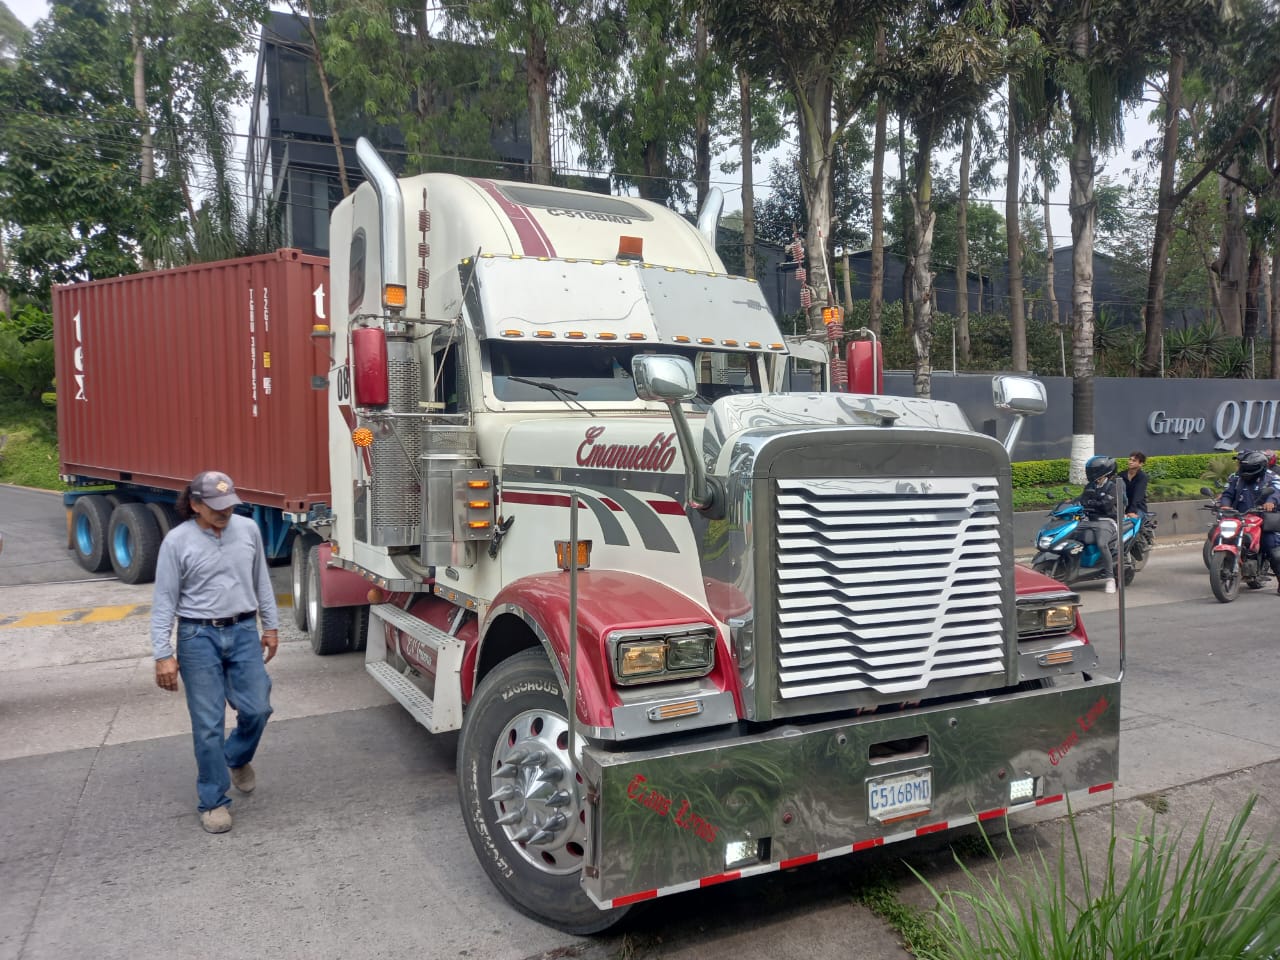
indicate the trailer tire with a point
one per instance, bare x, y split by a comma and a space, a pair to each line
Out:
133, 539
520, 702
327, 627
166, 517
118, 498
298, 553
90, 518
358, 638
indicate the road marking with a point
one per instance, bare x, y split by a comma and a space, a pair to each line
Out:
62, 618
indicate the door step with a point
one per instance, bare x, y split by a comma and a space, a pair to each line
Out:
444, 711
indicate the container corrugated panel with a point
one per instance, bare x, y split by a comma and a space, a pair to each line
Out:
208, 367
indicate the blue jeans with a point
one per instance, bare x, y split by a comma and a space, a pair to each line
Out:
221, 665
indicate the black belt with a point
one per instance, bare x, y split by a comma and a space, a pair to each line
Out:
220, 621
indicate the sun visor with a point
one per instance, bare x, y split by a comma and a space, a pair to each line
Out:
576, 300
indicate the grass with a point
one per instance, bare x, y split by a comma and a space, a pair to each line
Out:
29, 446
1216, 894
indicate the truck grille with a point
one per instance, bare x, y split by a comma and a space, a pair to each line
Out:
887, 585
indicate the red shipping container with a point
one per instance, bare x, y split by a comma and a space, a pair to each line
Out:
163, 374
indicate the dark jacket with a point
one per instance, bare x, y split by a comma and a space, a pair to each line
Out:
1098, 501
1135, 492
1245, 496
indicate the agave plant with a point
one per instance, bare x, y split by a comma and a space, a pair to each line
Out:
1233, 360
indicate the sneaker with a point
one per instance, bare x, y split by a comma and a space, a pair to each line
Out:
242, 778
217, 820
1109, 587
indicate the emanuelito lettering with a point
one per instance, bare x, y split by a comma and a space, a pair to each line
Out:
657, 455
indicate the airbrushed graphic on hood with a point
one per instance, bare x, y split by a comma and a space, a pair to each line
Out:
731, 415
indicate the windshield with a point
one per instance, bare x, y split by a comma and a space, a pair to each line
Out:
602, 372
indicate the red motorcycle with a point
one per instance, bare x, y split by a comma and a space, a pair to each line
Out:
1236, 553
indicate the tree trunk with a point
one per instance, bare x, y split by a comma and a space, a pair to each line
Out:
848, 285
1275, 313
962, 244
1253, 280
317, 57
5, 304
701, 121
1051, 294
876, 306
748, 179
815, 182
1013, 236
1154, 312
908, 314
538, 68
1230, 265
1083, 218
922, 222
148, 157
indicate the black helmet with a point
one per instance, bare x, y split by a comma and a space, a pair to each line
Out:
1252, 464
1096, 468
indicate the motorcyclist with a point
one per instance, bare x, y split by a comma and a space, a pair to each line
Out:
1098, 500
1254, 486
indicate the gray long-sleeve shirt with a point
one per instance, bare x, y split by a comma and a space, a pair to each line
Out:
203, 576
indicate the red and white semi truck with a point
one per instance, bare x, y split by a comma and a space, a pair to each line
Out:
690, 629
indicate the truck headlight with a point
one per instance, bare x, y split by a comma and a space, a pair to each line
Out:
1046, 618
662, 653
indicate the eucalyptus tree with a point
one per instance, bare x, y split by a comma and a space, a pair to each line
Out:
409, 67
823, 51
1095, 57
647, 114
952, 56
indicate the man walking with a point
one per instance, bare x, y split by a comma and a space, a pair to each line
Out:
212, 577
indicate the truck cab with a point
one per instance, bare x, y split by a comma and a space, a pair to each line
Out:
563, 473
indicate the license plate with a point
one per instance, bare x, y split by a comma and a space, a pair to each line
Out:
900, 795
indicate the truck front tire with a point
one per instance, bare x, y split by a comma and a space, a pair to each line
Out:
90, 518
134, 538
298, 553
327, 627
517, 723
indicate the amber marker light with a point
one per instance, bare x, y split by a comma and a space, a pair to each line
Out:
575, 335
477, 484
681, 338
707, 340
775, 346
671, 711
544, 334
637, 336
479, 504
753, 344
394, 295
729, 343
606, 336
562, 554
513, 333
477, 524
362, 437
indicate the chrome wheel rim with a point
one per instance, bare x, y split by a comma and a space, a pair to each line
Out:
537, 792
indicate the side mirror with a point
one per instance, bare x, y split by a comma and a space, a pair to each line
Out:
1019, 395
1205, 491
665, 378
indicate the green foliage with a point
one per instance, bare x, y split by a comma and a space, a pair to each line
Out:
26, 353
1031, 472
1219, 468
29, 445
1216, 896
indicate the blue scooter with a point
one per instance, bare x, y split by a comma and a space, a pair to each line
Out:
1065, 556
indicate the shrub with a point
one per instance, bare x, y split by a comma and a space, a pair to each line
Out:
1032, 472
1219, 897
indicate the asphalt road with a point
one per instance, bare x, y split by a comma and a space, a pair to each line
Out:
352, 845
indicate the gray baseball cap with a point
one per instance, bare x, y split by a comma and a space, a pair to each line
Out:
215, 489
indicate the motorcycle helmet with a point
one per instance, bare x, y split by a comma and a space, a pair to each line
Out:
1252, 464
1096, 468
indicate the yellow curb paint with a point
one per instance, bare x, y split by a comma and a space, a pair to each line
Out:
78, 615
